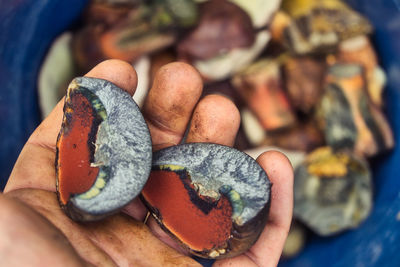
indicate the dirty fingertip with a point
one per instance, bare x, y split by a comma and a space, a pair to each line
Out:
216, 119
276, 164
119, 72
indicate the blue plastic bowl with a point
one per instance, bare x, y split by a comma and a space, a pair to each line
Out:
27, 29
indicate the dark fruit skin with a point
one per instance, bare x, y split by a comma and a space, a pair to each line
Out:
214, 200
104, 151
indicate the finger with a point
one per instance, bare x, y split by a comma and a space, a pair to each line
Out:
168, 108
35, 165
280, 173
119, 72
169, 105
215, 120
268, 248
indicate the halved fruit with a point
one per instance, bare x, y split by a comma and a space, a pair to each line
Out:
213, 199
104, 150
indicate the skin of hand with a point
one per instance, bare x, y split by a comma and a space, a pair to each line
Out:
35, 231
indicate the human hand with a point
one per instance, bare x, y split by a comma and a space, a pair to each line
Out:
32, 220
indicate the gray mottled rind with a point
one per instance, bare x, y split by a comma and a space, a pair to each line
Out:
123, 147
215, 165
330, 205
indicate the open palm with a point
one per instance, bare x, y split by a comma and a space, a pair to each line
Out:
35, 231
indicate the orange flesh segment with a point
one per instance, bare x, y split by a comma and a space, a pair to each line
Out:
74, 172
165, 191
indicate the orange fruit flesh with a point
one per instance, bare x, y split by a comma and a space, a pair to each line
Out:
75, 175
199, 222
